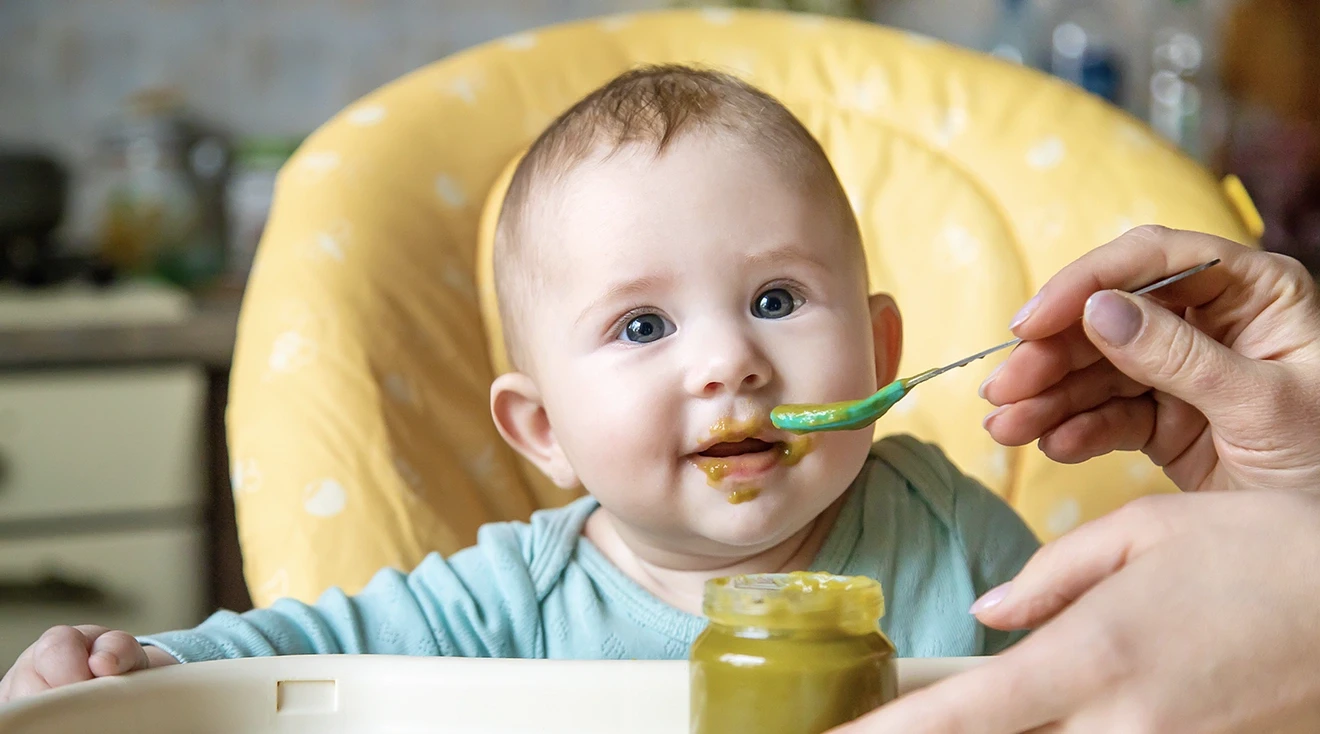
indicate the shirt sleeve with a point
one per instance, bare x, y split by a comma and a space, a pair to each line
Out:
481, 602
998, 544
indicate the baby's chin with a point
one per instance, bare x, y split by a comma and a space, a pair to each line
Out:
753, 521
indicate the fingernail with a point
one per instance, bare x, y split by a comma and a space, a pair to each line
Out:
991, 598
1025, 313
991, 378
111, 660
985, 422
1113, 316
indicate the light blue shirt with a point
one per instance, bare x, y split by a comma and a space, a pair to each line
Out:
934, 538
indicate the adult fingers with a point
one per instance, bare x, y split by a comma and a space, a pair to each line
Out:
1061, 571
1120, 424
1138, 257
1020, 423
1035, 366
1029, 686
1158, 348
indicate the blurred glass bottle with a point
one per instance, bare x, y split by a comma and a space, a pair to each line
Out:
842, 8
1179, 98
1014, 35
1084, 48
257, 163
158, 179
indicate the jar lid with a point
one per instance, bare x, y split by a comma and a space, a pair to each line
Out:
799, 600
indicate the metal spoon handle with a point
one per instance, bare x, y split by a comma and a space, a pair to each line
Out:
915, 380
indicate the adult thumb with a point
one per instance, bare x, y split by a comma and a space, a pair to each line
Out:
1156, 347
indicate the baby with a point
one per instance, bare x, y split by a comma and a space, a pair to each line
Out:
675, 257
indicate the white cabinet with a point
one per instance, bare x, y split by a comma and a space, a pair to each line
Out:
101, 497
143, 581
100, 441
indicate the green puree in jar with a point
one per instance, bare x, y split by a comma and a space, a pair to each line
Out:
796, 653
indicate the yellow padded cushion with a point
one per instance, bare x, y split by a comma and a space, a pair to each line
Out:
359, 423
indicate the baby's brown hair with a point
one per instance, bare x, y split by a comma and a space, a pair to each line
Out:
650, 106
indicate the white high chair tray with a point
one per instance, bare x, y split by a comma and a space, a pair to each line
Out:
378, 694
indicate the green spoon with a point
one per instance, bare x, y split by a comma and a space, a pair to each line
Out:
850, 415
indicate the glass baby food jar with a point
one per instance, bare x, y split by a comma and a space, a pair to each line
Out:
795, 653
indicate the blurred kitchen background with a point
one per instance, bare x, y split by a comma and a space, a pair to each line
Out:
139, 140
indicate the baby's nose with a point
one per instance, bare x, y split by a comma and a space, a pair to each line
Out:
735, 367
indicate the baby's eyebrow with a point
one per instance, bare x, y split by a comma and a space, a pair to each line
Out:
623, 289
790, 252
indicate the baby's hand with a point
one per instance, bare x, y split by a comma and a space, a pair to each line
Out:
65, 655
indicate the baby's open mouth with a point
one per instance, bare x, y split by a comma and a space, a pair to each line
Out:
725, 449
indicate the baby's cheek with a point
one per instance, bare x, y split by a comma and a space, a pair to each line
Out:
830, 361
831, 379
617, 439
838, 457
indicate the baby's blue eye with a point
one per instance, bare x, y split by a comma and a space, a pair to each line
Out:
646, 328
775, 303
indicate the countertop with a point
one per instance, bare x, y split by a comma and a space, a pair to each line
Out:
205, 335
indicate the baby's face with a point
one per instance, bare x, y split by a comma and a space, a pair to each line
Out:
684, 297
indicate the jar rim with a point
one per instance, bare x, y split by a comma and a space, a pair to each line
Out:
797, 600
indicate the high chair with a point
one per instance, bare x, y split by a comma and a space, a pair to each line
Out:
359, 427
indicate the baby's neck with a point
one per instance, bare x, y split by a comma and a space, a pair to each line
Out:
678, 579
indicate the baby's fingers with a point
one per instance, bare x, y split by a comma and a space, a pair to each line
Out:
21, 667
22, 681
116, 653
59, 657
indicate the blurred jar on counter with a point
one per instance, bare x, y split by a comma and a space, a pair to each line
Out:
1181, 102
1272, 77
160, 179
1086, 48
841, 8
257, 162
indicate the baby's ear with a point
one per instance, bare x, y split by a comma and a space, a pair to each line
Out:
519, 413
887, 330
